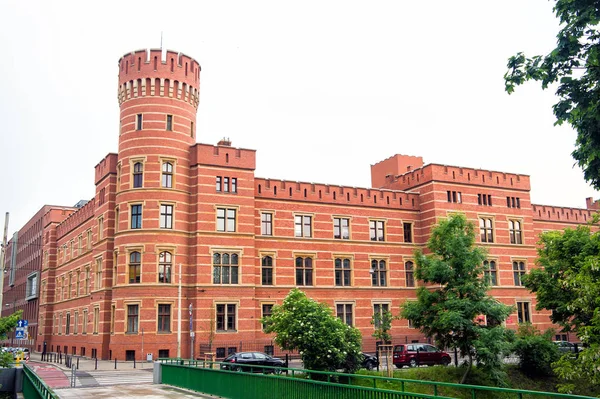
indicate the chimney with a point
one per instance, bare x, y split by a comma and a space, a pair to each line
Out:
224, 142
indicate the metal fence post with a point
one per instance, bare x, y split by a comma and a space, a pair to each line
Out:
96, 365
115, 363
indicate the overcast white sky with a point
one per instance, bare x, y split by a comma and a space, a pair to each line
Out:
322, 89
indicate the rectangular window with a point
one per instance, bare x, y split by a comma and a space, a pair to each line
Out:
219, 184
226, 184
266, 224
78, 284
31, 289
84, 322
513, 202
167, 175
96, 320
226, 219
515, 232
523, 312
342, 272
234, 185
267, 270
138, 122
486, 230
490, 272
87, 281
75, 323
100, 227
454, 196
164, 318
68, 324
132, 318
136, 216
113, 310
138, 175
376, 230
484, 199
225, 268
89, 239
407, 232
166, 216
304, 270
191, 129
98, 280
380, 309
267, 310
303, 226
226, 317
169, 122
344, 312
518, 272
341, 228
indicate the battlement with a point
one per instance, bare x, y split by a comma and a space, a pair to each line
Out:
223, 155
561, 214
76, 218
105, 167
144, 73
341, 195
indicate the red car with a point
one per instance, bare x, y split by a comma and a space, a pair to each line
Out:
416, 354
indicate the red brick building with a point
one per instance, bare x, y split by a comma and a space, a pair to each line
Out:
183, 238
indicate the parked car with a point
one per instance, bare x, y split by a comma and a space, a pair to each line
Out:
566, 347
370, 361
251, 361
416, 354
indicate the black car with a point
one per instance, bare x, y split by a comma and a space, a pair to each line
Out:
251, 362
370, 361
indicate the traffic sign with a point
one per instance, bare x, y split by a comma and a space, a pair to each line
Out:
22, 323
20, 334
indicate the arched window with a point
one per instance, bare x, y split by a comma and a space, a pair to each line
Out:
378, 273
165, 265
225, 268
167, 175
409, 268
267, 270
138, 174
135, 267
304, 271
342, 272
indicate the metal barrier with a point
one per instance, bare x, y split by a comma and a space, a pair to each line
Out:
34, 387
208, 377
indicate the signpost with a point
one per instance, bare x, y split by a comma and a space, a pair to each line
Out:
21, 330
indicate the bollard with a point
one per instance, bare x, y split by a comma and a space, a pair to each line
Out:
134, 363
455, 357
77, 363
96, 366
115, 363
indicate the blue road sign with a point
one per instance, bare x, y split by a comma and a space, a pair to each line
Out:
20, 334
22, 323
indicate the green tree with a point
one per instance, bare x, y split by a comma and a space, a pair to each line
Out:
7, 324
568, 283
455, 295
575, 65
383, 324
323, 341
536, 351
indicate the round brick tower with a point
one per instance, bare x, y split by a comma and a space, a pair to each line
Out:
158, 102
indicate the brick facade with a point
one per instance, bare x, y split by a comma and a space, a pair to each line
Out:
177, 225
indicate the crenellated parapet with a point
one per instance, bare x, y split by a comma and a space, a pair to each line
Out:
105, 167
561, 214
223, 156
144, 73
76, 218
311, 192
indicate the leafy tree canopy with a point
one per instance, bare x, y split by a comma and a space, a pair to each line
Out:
324, 341
568, 283
575, 65
455, 295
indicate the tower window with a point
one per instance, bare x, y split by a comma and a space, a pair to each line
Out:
169, 122
138, 122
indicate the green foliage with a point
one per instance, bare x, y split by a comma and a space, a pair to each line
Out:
568, 283
324, 341
383, 324
575, 66
456, 295
9, 322
491, 347
536, 351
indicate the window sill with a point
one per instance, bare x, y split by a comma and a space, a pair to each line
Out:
164, 332
226, 331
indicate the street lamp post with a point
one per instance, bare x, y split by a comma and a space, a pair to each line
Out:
13, 310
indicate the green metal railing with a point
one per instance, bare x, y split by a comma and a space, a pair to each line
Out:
34, 387
209, 377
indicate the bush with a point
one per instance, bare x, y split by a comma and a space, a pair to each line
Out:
536, 351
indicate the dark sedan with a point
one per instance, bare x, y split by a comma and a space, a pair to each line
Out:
370, 361
251, 362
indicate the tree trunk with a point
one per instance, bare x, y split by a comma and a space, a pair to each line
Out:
468, 370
